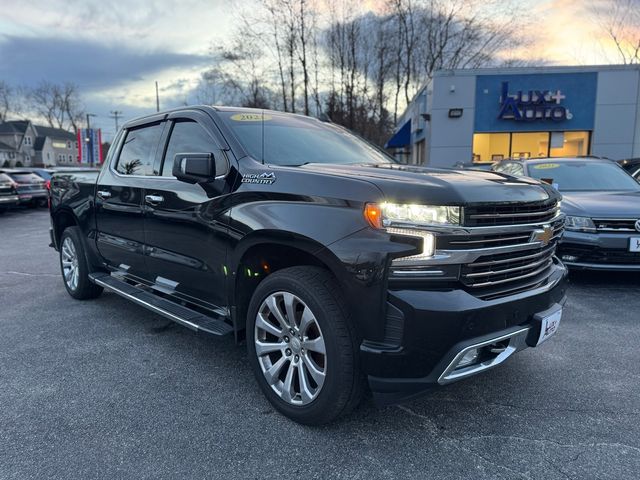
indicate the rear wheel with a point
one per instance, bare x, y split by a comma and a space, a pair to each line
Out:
74, 266
302, 346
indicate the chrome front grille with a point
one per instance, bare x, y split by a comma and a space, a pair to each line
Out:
500, 274
493, 270
492, 240
510, 214
614, 225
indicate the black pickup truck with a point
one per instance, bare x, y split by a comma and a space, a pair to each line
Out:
341, 269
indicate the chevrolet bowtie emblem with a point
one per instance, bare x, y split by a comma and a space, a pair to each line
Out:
543, 235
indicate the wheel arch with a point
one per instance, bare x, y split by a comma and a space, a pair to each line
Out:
61, 220
262, 254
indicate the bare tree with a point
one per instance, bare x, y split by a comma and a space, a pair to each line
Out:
358, 67
6, 99
58, 104
620, 21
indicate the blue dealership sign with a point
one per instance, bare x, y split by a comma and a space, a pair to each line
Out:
535, 102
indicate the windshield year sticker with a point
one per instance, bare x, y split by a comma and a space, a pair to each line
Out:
250, 117
546, 166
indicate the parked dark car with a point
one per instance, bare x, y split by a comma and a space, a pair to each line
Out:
8, 194
341, 268
602, 204
31, 187
486, 166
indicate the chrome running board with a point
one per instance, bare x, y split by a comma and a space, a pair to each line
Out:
182, 315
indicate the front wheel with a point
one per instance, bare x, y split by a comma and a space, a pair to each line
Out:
302, 346
74, 266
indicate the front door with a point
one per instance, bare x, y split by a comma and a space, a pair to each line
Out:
186, 226
119, 199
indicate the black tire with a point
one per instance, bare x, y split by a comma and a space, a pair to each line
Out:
344, 383
83, 289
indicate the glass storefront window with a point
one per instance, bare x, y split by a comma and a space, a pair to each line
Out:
571, 144
489, 147
529, 145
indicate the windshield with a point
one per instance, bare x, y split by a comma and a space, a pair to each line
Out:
26, 177
5, 178
579, 176
296, 140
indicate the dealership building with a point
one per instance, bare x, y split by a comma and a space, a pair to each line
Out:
485, 115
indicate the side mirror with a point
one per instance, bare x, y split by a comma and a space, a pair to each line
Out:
194, 167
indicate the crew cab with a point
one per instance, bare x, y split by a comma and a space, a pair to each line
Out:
341, 269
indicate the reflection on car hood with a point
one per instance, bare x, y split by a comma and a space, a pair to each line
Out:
412, 184
602, 204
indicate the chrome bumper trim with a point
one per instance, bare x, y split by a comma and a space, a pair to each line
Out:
517, 342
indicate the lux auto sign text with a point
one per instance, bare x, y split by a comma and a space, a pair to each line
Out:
532, 105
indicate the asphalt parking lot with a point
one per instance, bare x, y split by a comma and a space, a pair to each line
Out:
105, 389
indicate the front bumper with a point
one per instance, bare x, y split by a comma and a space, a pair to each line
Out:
598, 251
439, 325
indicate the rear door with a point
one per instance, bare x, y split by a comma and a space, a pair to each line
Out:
119, 199
186, 226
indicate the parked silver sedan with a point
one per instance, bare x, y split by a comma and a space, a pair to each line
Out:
602, 205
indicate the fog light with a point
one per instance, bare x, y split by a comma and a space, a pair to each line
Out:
569, 258
470, 357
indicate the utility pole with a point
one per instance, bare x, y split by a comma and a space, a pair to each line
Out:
88, 121
115, 114
157, 98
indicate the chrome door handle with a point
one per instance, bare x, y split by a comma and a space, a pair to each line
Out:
104, 194
154, 199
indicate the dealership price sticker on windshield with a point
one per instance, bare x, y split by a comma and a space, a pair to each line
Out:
634, 244
549, 325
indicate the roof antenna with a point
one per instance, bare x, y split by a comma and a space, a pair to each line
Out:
262, 136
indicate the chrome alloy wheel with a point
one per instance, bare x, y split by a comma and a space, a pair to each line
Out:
70, 269
290, 348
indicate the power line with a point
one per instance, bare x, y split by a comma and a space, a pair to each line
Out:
115, 114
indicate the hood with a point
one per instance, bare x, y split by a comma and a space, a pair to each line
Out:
411, 184
602, 204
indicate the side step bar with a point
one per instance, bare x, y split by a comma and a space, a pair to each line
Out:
179, 314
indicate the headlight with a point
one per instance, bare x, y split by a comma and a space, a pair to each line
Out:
579, 224
401, 219
387, 214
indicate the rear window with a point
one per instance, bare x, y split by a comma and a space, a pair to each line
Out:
26, 177
139, 149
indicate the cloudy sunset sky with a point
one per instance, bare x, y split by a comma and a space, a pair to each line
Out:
115, 51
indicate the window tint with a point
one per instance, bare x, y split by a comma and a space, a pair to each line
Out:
189, 137
138, 151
